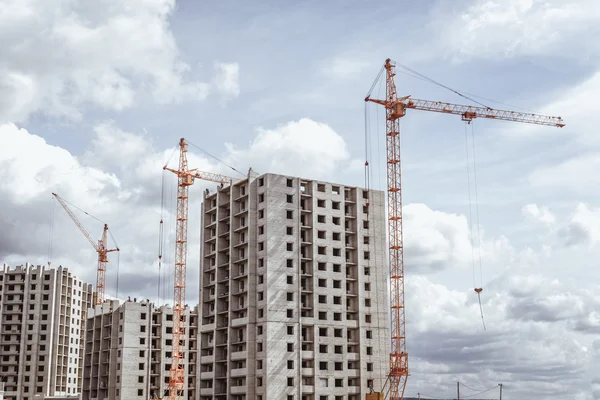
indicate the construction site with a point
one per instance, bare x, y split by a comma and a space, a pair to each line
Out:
301, 291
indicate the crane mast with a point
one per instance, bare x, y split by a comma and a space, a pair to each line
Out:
395, 109
100, 246
177, 372
186, 178
398, 356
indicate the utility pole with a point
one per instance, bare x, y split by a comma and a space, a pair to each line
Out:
458, 390
500, 390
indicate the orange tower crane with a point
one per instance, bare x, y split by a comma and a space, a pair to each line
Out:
100, 246
395, 109
186, 178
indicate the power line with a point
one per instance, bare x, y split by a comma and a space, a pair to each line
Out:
469, 387
477, 394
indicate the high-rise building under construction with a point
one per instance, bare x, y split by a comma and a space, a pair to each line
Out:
128, 351
293, 292
42, 316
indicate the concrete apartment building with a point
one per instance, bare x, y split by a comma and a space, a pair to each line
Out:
293, 291
128, 351
42, 312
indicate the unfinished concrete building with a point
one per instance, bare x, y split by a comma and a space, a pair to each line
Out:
128, 351
42, 312
293, 291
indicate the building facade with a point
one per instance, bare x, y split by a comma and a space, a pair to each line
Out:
42, 314
293, 291
128, 351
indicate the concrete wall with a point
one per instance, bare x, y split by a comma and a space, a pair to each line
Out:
228, 307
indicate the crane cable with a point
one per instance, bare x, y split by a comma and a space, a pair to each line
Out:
421, 76
368, 180
118, 265
51, 233
425, 79
367, 116
477, 289
161, 232
164, 277
480, 289
367, 169
379, 185
216, 158
170, 258
375, 81
476, 203
377, 125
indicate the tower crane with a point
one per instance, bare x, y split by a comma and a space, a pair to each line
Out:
395, 109
100, 246
186, 178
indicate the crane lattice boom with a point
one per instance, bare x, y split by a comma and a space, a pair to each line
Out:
100, 246
468, 113
205, 176
396, 109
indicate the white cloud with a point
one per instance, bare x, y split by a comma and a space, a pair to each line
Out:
583, 227
30, 167
576, 106
112, 146
539, 214
227, 79
435, 240
60, 56
544, 306
526, 305
574, 167
499, 29
447, 344
300, 148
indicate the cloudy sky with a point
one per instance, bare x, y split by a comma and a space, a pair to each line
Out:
95, 96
